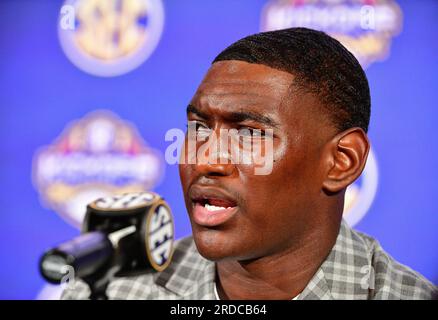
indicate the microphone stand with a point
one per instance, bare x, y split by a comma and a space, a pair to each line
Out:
98, 282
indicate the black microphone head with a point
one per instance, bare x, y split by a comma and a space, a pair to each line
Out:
148, 212
129, 232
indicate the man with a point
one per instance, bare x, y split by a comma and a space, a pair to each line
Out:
278, 235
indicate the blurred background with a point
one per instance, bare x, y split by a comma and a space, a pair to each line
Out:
89, 88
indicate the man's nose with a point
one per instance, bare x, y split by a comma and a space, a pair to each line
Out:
217, 159
217, 169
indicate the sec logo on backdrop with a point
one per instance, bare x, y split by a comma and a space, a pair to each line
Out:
110, 37
365, 27
96, 156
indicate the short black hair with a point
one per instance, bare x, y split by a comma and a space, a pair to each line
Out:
320, 64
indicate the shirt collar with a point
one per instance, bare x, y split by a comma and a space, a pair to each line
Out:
342, 272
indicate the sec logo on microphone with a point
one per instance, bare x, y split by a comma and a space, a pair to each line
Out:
159, 236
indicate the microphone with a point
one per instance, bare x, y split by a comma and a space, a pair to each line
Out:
121, 235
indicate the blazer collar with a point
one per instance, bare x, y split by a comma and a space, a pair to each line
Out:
346, 271
190, 276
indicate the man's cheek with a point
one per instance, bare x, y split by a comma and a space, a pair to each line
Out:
185, 170
254, 152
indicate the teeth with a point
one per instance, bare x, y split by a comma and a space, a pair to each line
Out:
213, 208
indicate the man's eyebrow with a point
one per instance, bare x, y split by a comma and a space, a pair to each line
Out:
192, 109
252, 116
237, 116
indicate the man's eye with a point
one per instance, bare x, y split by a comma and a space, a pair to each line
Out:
196, 125
199, 127
251, 132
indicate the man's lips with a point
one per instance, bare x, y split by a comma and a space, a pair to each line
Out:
211, 206
202, 216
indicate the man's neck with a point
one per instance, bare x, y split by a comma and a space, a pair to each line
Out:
281, 276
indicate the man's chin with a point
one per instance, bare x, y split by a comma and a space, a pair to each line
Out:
213, 245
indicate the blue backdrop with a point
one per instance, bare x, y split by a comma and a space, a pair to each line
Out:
41, 91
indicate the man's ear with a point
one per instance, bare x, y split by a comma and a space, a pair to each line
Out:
345, 158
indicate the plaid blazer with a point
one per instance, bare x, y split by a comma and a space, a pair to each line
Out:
356, 268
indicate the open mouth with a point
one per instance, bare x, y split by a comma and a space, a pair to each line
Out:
212, 208
213, 205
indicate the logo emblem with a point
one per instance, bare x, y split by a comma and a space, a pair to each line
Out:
94, 157
364, 27
110, 37
159, 236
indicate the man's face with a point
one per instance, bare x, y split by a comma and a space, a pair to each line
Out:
234, 212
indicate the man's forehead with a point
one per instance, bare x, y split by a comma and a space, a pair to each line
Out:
240, 74
241, 80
